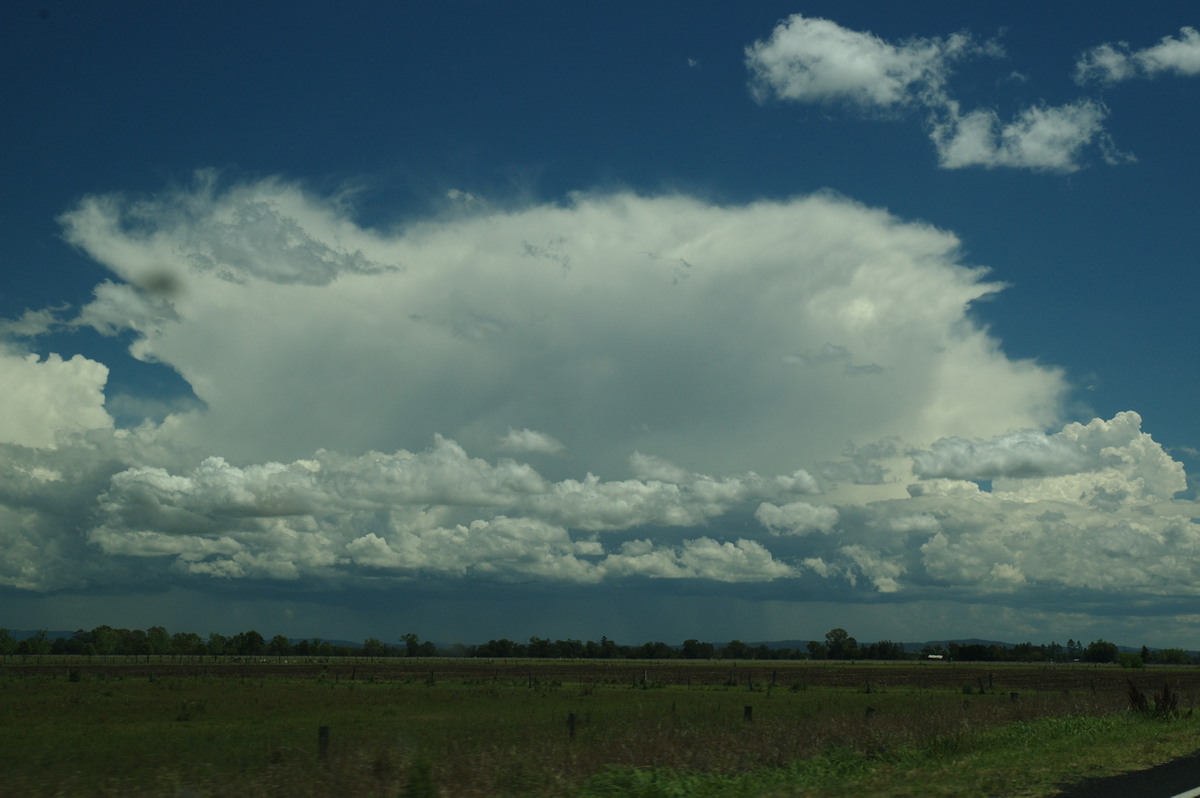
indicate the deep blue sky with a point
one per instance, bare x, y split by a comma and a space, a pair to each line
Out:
374, 112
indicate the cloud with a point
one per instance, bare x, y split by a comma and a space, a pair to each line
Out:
816, 60
527, 440
437, 512
1022, 454
359, 428
702, 558
1116, 62
1041, 138
809, 59
796, 518
263, 231
117, 307
1089, 508
32, 323
44, 398
475, 336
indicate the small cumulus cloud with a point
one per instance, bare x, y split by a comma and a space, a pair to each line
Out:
1041, 138
816, 60
1116, 62
530, 441
808, 59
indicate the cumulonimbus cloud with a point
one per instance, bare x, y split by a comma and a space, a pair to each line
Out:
479, 329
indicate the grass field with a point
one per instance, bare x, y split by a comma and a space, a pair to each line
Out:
469, 727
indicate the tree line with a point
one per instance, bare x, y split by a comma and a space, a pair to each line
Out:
837, 645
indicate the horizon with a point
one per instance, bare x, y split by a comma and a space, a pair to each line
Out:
650, 322
443, 645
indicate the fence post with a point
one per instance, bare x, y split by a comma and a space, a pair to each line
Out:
571, 725
748, 714
322, 741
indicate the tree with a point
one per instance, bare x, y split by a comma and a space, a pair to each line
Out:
158, 641
217, 644
374, 647
735, 649
655, 650
8, 643
183, 643
1100, 651
279, 646
1173, 656
885, 649
497, 648
133, 642
38, 644
247, 644
841, 645
568, 649
105, 639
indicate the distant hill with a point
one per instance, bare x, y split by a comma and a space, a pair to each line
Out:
25, 634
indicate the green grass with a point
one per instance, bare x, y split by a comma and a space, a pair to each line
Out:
217, 736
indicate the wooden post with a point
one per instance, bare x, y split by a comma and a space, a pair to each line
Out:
748, 714
571, 725
322, 741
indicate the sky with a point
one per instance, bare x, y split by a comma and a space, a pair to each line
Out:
652, 321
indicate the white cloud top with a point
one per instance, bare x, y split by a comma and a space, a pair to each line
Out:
663, 325
39, 399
